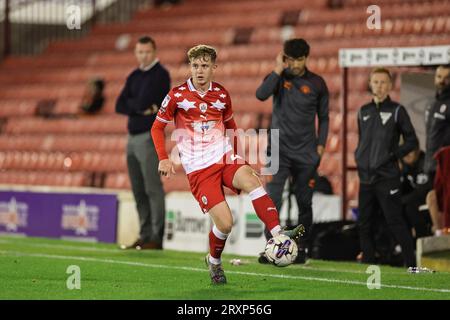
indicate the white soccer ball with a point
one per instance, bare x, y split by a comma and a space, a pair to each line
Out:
281, 250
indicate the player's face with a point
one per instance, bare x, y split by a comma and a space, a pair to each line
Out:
442, 78
380, 85
202, 70
145, 54
296, 65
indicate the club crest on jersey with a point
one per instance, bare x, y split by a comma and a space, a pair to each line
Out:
287, 85
203, 107
443, 108
204, 200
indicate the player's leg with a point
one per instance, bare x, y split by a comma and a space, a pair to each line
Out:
368, 208
154, 190
389, 197
275, 189
223, 222
433, 207
140, 196
303, 184
246, 179
206, 186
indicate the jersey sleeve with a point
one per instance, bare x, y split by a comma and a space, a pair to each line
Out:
167, 111
228, 112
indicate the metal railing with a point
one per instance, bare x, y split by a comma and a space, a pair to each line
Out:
27, 26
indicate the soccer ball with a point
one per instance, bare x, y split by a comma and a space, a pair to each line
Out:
281, 250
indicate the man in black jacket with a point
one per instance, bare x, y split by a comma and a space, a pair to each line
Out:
299, 95
415, 187
437, 124
140, 100
380, 123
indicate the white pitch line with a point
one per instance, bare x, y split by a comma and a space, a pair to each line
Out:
160, 266
62, 246
94, 249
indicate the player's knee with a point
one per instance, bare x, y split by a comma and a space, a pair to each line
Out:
251, 183
431, 197
225, 227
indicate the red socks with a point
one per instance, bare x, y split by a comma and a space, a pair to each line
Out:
265, 209
217, 241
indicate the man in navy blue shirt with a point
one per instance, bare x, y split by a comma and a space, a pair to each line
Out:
140, 100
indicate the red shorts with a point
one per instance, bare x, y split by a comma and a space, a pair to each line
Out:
207, 184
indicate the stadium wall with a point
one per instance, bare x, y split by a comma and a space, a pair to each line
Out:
88, 214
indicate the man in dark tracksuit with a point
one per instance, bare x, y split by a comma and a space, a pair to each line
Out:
415, 187
140, 100
380, 123
437, 123
298, 96
437, 118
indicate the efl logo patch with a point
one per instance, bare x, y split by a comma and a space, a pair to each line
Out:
164, 104
443, 108
305, 89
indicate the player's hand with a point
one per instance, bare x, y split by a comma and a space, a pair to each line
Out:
280, 64
320, 150
152, 110
268, 178
165, 168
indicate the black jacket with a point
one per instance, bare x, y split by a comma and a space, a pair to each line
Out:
415, 182
437, 120
142, 90
380, 127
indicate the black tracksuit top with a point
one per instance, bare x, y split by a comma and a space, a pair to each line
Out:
437, 119
380, 127
296, 102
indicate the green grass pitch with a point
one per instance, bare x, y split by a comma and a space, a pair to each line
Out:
35, 268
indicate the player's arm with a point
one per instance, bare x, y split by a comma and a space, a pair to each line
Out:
323, 116
409, 134
165, 116
165, 167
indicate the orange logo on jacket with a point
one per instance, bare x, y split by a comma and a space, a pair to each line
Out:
305, 89
287, 85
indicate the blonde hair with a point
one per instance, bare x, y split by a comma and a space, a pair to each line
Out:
380, 70
202, 51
